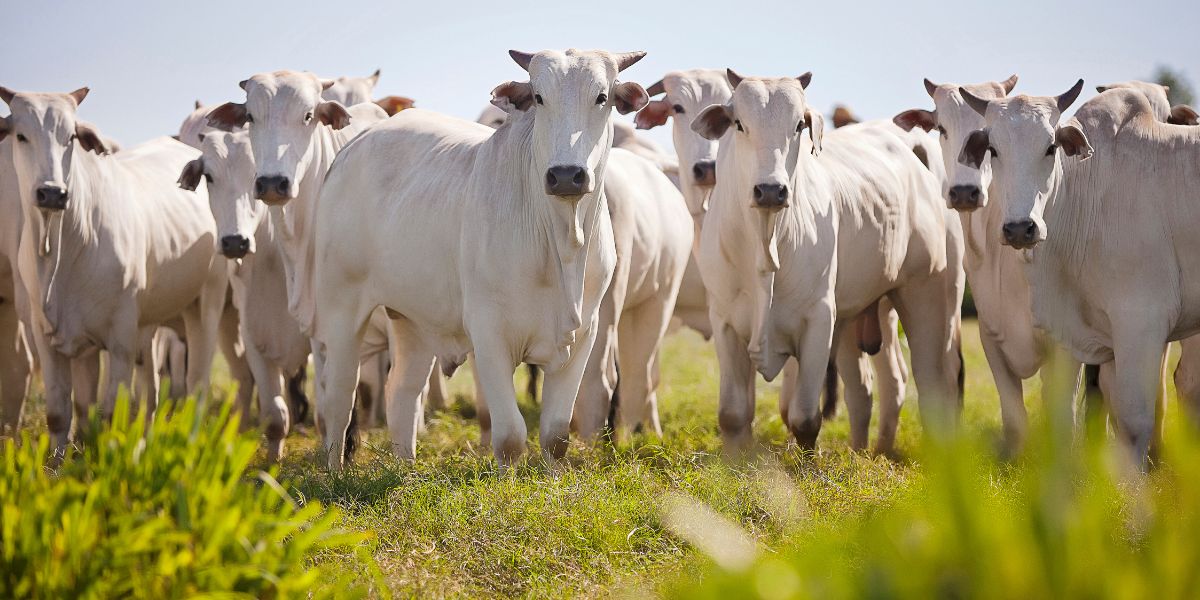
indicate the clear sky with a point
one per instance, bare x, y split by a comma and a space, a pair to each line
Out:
146, 62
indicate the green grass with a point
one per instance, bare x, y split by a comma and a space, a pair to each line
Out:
450, 525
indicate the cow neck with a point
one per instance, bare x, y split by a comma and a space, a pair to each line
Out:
293, 221
564, 231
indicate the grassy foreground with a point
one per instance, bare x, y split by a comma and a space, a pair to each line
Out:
671, 517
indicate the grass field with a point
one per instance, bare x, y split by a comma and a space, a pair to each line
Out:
450, 525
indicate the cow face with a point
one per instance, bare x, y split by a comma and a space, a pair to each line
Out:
765, 119
282, 111
227, 166
965, 187
685, 94
349, 91
1025, 142
571, 95
46, 136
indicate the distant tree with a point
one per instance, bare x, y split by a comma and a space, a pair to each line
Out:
1180, 88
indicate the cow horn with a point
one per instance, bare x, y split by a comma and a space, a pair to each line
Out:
979, 104
7, 95
930, 87
805, 79
1064, 101
79, 94
656, 88
1009, 84
628, 59
521, 58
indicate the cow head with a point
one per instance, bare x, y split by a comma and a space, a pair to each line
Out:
1160, 103
766, 119
282, 111
1025, 141
965, 187
571, 95
46, 137
351, 90
684, 95
227, 165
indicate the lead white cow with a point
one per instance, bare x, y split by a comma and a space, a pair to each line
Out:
497, 243
118, 249
782, 221
1108, 229
275, 348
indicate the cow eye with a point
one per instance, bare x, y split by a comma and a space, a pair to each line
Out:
602, 99
208, 178
942, 130
1051, 149
308, 117
992, 149
800, 126
249, 119
21, 138
538, 98
678, 109
739, 125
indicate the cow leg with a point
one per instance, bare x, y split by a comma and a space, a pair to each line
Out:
56, 378
339, 375
229, 339
1012, 395
371, 383
481, 409
15, 365
272, 408
856, 375
436, 396
735, 412
891, 375
85, 383
597, 387
202, 322
1060, 381
1187, 378
787, 388
412, 362
804, 407
641, 331
928, 319
120, 375
559, 390
146, 369
494, 366
1137, 350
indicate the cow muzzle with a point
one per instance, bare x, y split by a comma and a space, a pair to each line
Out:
566, 181
704, 173
235, 246
1021, 234
52, 197
965, 198
273, 190
772, 196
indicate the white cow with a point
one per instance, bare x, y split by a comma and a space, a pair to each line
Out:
780, 223
1107, 234
294, 136
494, 243
685, 94
16, 362
1180, 114
117, 249
275, 348
653, 238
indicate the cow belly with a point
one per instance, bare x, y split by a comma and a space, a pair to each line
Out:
175, 284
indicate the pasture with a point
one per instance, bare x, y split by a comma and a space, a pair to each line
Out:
614, 521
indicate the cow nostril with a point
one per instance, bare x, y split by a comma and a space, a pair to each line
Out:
758, 193
783, 193
551, 180
578, 178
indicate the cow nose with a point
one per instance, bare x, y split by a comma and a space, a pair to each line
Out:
566, 181
770, 195
52, 197
705, 172
272, 189
235, 246
1021, 234
965, 197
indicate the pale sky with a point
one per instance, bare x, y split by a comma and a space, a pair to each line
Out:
146, 62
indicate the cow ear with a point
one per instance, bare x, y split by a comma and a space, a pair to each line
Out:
333, 114
3, 128
629, 97
514, 95
327, 83
1073, 142
1182, 114
656, 113
394, 104
78, 95
916, 117
192, 172
713, 122
975, 148
230, 116
89, 139
816, 129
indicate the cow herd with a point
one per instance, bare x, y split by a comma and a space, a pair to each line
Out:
387, 244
